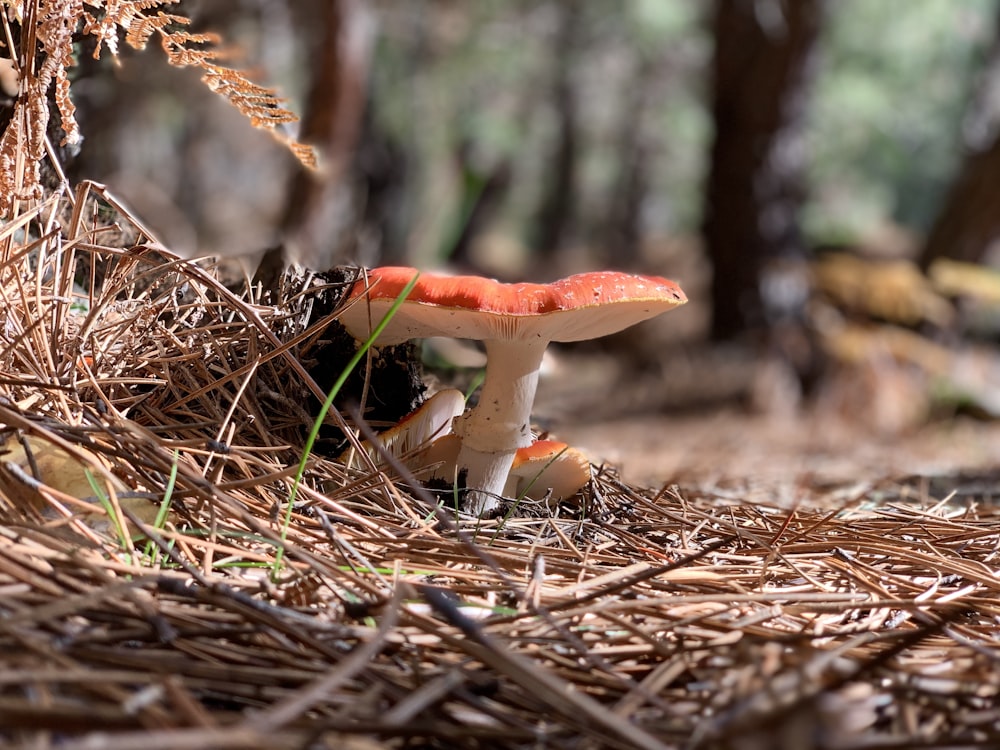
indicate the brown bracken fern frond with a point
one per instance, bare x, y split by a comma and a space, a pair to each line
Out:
49, 28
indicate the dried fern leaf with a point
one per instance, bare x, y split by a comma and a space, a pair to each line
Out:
22, 146
259, 104
51, 27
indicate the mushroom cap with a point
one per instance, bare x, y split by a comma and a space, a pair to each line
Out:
442, 454
580, 307
545, 465
429, 421
537, 468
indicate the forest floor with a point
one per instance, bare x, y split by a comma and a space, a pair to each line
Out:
776, 459
167, 581
694, 423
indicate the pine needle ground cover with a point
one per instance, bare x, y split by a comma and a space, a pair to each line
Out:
158, 590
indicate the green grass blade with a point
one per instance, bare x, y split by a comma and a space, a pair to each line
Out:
164, 509
477, 381
328, 404
105, 500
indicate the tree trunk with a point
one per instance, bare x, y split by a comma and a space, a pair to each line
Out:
483, 193
622, 231
319, 212
762, 70
969, 220
557, 209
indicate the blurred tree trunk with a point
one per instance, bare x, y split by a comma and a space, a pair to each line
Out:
484, 189
382, 168
762, 71
969, 220
319, 211
622, 231
558, 203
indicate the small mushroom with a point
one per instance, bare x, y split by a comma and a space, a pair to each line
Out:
544, 466
442, 456
428, 422
515, 322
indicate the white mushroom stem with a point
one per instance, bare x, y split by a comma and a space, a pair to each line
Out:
499, 424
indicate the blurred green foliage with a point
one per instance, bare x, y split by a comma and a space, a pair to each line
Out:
884, 129
482, 74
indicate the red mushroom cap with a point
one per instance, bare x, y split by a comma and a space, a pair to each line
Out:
584, 306
547, 465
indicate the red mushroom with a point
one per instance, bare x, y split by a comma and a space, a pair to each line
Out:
543, 469
547, 466
515, 322
425, 424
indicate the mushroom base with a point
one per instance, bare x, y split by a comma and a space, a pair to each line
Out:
486, 476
